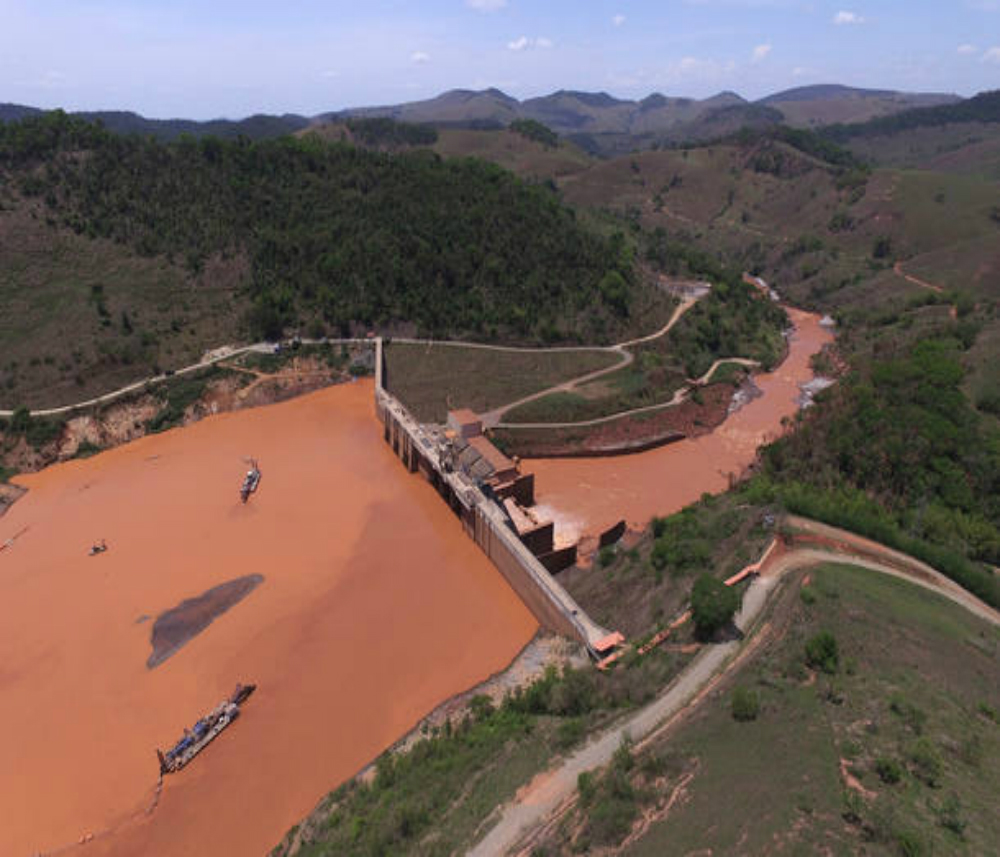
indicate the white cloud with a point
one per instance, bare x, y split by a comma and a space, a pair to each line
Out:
760, 53
992, 55
967, 49
525, 44
420, 57
486, 5
842, 18
618, 19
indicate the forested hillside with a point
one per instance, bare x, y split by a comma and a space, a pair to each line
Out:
334, 233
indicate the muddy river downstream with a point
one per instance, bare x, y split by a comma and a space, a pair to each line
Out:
586, 496
345, 589
374, 607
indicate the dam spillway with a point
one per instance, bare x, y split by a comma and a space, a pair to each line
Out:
486, 521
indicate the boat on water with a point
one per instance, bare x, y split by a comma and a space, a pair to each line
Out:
250, 481
206, 730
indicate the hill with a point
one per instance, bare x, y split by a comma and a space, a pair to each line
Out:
826, 104
256, 127
596, 121
605, 125
316, 236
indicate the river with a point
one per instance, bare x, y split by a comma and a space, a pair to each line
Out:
586, 496
375, 607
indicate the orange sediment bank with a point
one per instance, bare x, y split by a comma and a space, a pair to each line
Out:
586, 497
376, 608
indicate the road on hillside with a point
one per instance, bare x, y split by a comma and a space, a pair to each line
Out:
551, 793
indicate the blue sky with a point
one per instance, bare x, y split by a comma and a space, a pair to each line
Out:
214, 58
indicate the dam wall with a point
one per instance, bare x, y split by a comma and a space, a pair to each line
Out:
486, 522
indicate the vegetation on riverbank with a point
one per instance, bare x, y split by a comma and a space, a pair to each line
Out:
897, 452
435, 798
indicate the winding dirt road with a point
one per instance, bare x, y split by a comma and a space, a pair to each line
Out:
550, 794
494, 418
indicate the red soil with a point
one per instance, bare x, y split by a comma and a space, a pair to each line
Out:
589, 496
376, 607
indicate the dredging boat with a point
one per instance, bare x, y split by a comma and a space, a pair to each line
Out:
206, 730
250, 481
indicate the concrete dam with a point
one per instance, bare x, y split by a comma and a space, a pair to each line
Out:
488, 494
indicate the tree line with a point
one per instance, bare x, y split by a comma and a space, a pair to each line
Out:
335, 232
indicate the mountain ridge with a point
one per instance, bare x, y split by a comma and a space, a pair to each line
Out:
603, 122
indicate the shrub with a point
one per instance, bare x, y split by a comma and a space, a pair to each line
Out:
606, 556
713, 605
926, 763
913, 716
745, 704
888, 770
950, 815
822, 652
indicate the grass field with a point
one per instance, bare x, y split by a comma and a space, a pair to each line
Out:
433, 379
910, 713
646, 381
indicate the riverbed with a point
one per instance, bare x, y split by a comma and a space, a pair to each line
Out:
374, 608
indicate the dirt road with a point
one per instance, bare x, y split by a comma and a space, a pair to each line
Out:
494, 418
554, 791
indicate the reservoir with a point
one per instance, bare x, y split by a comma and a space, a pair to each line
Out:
372, 608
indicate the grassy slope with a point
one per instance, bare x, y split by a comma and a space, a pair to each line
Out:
59, 347
513, 152
430, 380
780, 774
972, 148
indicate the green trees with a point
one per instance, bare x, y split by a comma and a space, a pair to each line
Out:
822, 652
713, 605
895, 451
534, 130
335, 232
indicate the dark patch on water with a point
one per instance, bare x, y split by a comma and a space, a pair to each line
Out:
175, 627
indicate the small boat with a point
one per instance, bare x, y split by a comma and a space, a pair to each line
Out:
250, 481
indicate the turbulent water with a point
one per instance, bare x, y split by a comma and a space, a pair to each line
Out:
586, 496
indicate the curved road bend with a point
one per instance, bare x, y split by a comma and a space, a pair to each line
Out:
494, 418
553, 791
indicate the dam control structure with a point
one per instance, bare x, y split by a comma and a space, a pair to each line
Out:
486, 492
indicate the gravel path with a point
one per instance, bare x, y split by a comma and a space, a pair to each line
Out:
555, 789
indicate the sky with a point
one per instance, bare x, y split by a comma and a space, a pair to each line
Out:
203, 59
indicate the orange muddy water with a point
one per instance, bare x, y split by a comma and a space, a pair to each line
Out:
375, 607
586, 496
